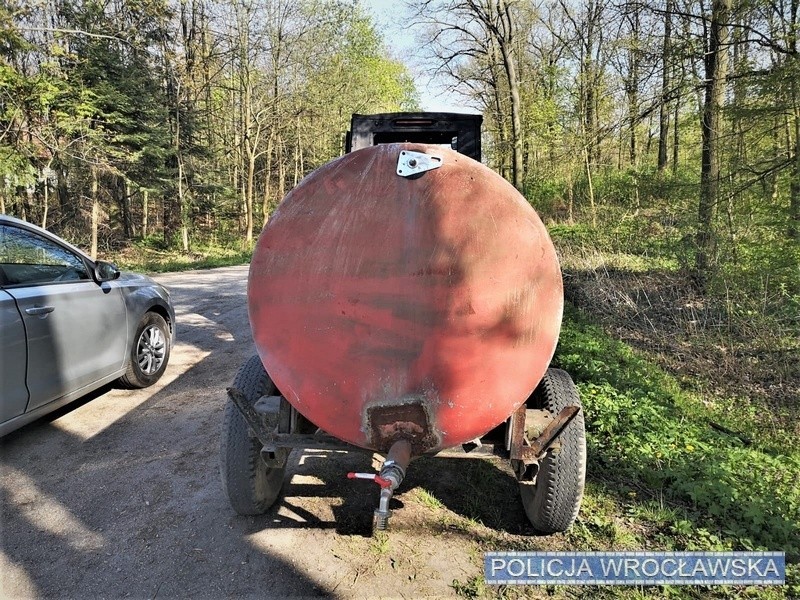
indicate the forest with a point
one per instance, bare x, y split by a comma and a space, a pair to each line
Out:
656, 140
682, 116
184, 123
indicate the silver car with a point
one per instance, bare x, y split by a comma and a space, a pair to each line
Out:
69, 325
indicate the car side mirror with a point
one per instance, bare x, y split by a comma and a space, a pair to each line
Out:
105, 271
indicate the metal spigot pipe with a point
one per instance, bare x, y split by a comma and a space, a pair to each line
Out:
382, 513
392, 471
394, 468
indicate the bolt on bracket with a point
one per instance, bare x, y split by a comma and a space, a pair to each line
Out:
410, 162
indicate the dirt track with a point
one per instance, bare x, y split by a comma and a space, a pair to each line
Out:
119, 495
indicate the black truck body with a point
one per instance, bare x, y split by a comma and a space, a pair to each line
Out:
461, 132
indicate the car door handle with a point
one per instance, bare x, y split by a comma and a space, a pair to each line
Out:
39, 310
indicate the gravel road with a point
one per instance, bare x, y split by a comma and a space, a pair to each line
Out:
118, 495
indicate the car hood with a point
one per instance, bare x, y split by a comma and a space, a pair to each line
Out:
132, 281
138, 287
135, 278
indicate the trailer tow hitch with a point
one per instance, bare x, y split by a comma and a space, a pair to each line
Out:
389, 479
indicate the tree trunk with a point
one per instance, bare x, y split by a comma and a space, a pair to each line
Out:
509, 64
185, 227
95, 212
716, 67
248, 143
145, 209
588, 166
182, 208
497, 98
663, 112
127, 218
633, 85
793, 230
570, 198
26, 204
249, 191
794, 186
281, 166
298, 152
632, 149
589, 126
265, 201
590, 48
676, 135
46, 206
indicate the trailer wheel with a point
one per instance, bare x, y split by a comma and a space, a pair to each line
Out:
251, 486
552, 502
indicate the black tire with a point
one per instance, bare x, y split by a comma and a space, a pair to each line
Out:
251, 486
552, 503
149, 352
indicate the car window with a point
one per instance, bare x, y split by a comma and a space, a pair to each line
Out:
27, 258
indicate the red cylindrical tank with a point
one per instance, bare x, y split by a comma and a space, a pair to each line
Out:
424, 308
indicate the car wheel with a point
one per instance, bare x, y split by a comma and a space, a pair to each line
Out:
553, 501
149, 352
250, 485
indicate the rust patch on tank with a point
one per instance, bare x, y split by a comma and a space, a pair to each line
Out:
407, 419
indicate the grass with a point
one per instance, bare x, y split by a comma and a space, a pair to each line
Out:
690, 404
149, 256
474, 587
692, 425
425, 498
380, 543
653, 439
659, 477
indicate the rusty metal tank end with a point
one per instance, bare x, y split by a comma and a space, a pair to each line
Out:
423, 308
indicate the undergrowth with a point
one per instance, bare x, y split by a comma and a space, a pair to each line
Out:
697, 487
646, 432
660, 476
149, 256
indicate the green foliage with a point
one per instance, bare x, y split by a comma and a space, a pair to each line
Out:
644, 431
357, 75
425, 498
547, 196
239, 101
649, 215
15, 170
152, 255
618, 187
475, 587
633, 240
383, 83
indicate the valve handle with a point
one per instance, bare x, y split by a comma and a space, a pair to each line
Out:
384, 483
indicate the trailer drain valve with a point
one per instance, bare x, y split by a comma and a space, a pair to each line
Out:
389, 479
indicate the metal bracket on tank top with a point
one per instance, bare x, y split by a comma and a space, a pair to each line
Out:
410, 162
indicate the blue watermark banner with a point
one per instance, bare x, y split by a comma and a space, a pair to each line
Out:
635, 568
